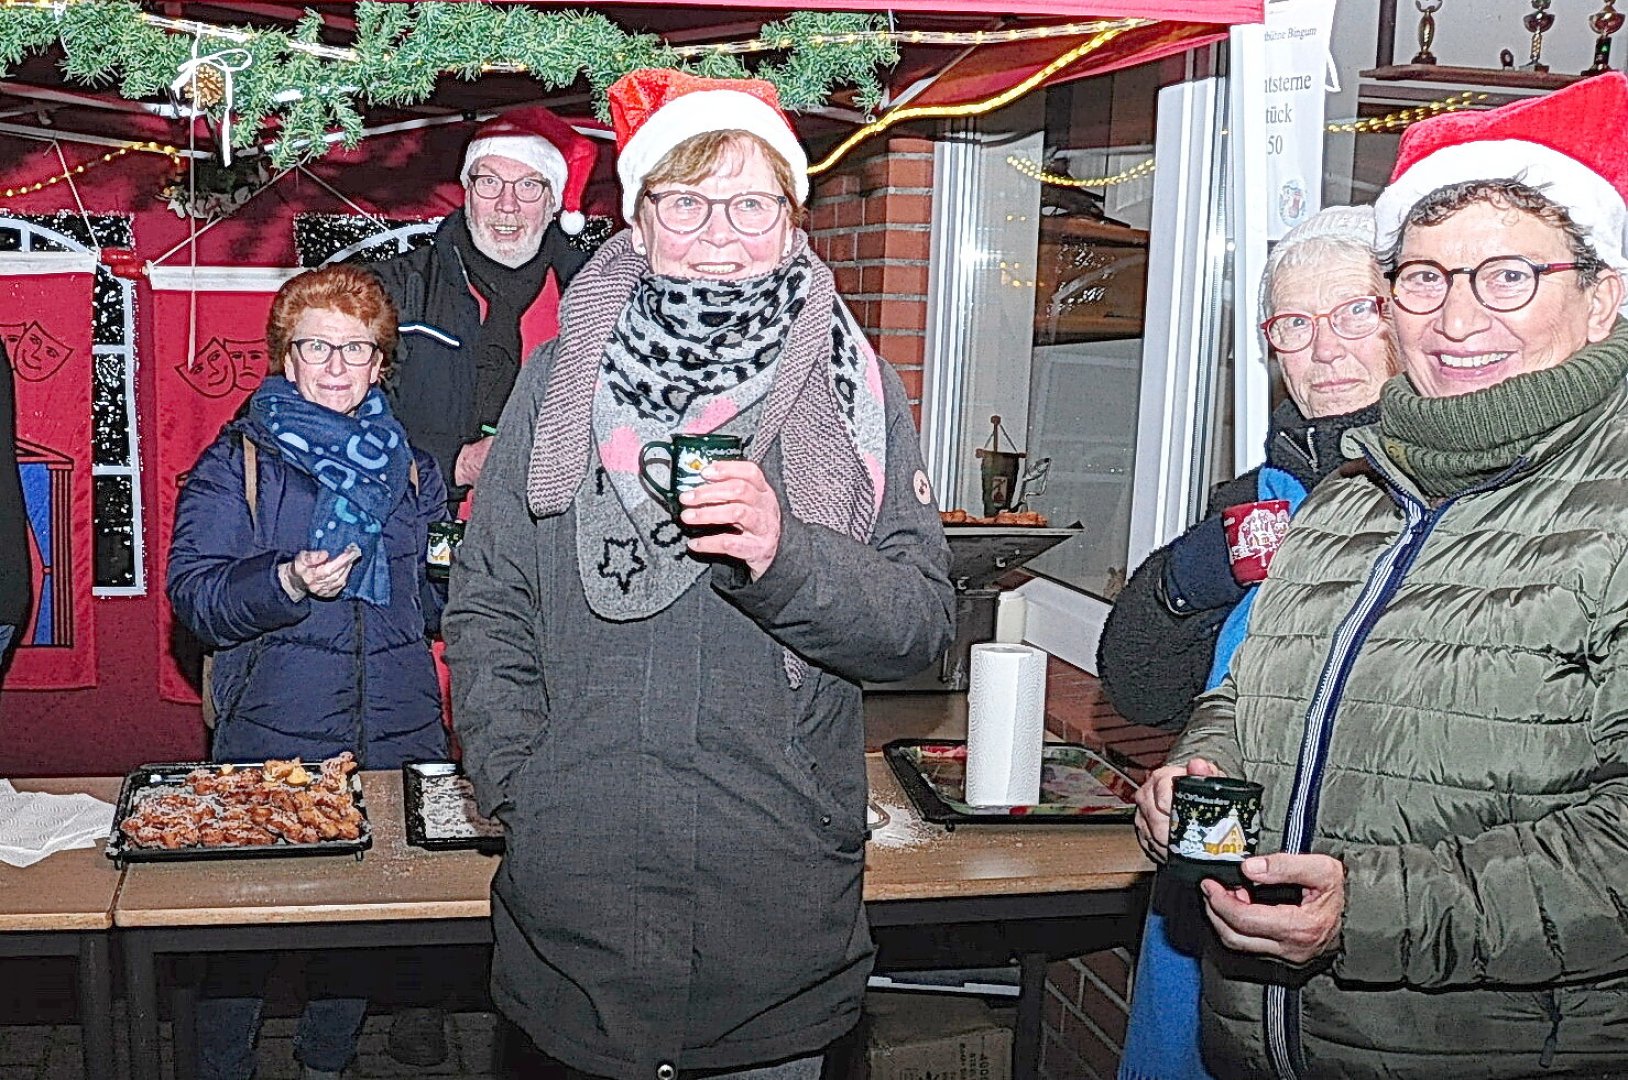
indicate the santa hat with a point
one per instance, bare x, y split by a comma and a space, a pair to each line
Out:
1568, 145
536, 137
654, 110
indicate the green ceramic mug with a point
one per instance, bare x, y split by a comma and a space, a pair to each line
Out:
686, 456
445, 536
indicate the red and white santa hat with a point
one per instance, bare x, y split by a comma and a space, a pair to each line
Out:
1569, 145
536, 137
654, 110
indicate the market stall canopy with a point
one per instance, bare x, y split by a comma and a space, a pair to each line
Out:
950, 53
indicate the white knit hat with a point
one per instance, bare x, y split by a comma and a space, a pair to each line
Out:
653, 110
1346, 225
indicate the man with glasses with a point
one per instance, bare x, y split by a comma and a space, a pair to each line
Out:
473, 305
476, 301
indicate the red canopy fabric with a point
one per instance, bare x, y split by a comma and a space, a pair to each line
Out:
992, 69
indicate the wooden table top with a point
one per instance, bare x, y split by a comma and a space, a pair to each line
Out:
909, 859
71, 890
393, 881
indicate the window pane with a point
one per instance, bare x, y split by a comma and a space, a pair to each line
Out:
115, 538
110, 419
1056, 342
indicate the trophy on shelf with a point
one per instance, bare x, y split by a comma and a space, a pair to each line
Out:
1427, 30
1538, 23
1605, 22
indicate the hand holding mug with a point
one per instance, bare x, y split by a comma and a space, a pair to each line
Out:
314, 573
1297, 932
1255, 531
687, 458
738, 497
1153, 805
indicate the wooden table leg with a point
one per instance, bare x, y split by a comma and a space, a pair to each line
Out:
1027, 1034
96, 1007
141, 998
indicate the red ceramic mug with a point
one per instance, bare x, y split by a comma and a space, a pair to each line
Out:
1254, 532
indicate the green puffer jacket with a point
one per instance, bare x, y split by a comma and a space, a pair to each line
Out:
1472, 773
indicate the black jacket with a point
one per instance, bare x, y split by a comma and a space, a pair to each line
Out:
432, 387
1158, 644
15, 565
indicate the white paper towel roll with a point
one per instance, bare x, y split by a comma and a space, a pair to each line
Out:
1006, 725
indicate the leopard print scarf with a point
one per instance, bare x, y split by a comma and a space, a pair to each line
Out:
776, 357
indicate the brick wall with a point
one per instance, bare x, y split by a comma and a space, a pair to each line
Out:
870, 219
1087, 999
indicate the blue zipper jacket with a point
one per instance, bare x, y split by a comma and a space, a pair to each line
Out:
312, 677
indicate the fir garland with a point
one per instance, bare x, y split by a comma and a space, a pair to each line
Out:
305, 91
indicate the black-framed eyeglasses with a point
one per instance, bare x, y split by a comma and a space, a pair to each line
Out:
528, 189
751, 213
318, 351
1502, 283
1291, 331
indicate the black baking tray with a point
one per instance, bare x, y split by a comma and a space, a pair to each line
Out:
173, 774
1078, 785
413, 774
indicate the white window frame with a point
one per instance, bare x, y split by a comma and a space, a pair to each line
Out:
1251, 379
78, 258
1174, 404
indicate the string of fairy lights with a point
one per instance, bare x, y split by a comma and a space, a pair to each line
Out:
978, 108
171, 152
1032, 169
1097, 32
1389, 122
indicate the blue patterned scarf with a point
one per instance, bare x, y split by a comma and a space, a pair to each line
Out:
361, 465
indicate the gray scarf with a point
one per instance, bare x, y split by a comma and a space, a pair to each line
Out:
776, 358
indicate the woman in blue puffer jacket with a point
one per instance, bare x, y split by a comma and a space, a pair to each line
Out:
298, 556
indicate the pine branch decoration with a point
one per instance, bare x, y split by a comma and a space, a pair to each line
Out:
299, 98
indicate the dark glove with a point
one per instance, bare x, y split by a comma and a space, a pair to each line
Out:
1198, 574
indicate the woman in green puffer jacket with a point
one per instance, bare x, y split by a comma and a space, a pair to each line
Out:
1432, 690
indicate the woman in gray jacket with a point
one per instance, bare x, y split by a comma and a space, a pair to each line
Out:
666, 715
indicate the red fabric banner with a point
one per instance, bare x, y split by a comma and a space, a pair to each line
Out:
45, 321
203, 378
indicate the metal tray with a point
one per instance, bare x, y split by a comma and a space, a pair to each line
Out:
173, 774
413, 777
981, 553
1078, 785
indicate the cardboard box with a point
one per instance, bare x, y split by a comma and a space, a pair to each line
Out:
936, 1037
